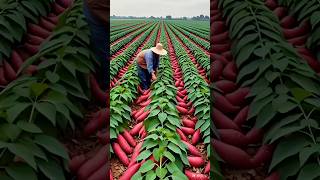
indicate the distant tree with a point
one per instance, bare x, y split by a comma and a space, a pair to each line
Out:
201, 16
169, 17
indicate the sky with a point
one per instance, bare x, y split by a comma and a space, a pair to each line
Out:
157, 8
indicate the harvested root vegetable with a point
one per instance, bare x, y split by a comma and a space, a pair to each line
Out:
37, 30
135, 130
192, 149
46, 24
16, 60
196, 137
124, 144
135, 154
120, 153
93, 164
182, 110
129, 138
196, 161
100, 174
207, 168
3, 80
195, 176
76, 162
130, 172
9, 72
187, 131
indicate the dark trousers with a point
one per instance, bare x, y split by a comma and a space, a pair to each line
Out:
145, 78
99, 43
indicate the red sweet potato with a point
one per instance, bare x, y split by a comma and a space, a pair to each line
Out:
46, 24
93, 164
207, 168
224, 105
9, 73
221, 47
192, 149
288, 22
16, 60
97, 93
111, 176
232, 155
76, 162
182, 110
196, 137
254, 135
230, 71
100, 174
196, 161
191, 111
187, 131
272, 4
181, 134
263, 155
295, 32
241, 116
130, 172
218, 27
226, 86
233, 137
298, 41
220, 38
3, 80
143, 116
183, 104
129, 138
53, 18
238, 97
103, 137
38, 31
135, 154
135, 130
121, 155
139, 112
146, 103
31, 49
280, 12
142, 99
313, 63
124, 144
34, 40
222, 121
57, 9
195, 176
217, 67
179, 99
228, 55
273, 176
65, 3
188, 123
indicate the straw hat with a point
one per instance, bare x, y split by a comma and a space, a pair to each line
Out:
159, 49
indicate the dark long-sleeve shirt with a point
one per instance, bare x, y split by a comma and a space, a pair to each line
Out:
100, 9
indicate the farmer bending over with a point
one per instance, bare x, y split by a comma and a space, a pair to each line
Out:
148, 63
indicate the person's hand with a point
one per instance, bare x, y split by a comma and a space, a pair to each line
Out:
154, 77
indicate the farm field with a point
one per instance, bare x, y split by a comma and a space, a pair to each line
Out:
164, 132
52, 110
266, 89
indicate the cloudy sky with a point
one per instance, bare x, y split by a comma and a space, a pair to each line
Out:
176, 8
